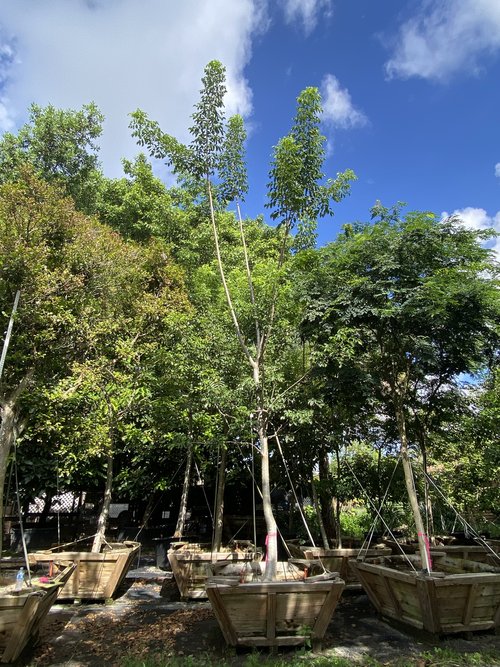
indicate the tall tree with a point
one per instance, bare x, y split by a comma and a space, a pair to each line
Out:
418, 299
297, 199
88, 299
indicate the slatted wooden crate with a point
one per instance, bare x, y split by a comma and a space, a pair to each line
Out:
22, 613
460, 596
338, 560
191, 563
281, 613
97, 575
474, 552
489, 554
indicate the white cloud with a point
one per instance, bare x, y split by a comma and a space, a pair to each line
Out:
445, 37
497, 170
6, 116
478, 219
306, 12
338, 109
123, 54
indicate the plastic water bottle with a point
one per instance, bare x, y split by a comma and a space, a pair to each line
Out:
20, 579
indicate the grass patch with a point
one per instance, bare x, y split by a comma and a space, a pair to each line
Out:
439, 657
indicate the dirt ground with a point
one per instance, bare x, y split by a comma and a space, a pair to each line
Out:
147, 617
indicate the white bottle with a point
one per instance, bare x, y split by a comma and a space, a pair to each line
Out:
20, 579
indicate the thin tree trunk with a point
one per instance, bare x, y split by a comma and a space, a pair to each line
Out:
219, 500
249, 278
104, 514
338, 504
47, 503
7, 439
256, 365
271, 526
146, 515
411, 490
325, 498
338, 507
427, 499
317, 509
9, 332
181, 517
10, 429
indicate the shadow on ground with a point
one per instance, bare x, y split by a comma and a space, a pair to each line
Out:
148, 617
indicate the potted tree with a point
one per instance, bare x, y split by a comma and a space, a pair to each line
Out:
270, 612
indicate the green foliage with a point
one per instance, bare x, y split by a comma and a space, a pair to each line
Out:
466, 456
296, 194
139, 206
200, 159
232, 167
355, 520
208, 121
94, 315
61, 147
130, 341
417, 296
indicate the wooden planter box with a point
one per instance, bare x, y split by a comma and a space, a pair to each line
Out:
191, 563
22, 613
281, 613
474, 552
97, 575
338, 560
460, 596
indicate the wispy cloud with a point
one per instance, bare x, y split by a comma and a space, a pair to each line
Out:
6, 116
497, 170
306, 12
445, 37
478, 218
123, 54
338, 109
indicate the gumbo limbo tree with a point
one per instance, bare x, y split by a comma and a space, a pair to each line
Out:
297, 198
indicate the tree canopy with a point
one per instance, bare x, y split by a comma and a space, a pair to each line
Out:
155, 326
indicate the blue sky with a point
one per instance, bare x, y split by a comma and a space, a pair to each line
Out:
411, 89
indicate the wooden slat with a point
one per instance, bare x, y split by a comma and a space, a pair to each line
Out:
326, 611
19, 638
496, 618
222, 616
367, 585
382, 569
429, 609
115, 575
271, 616
292, 640
468, 579
392, 596
472, 627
